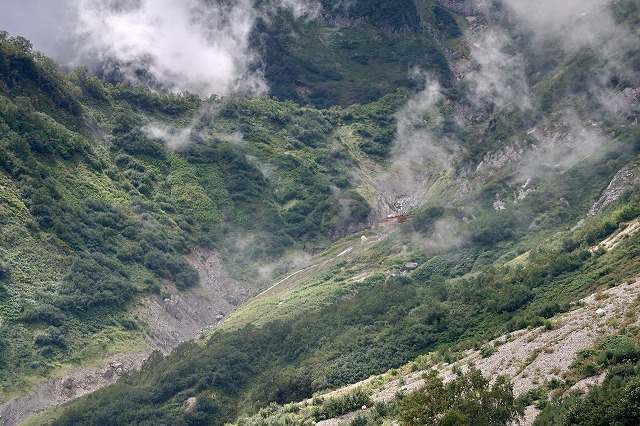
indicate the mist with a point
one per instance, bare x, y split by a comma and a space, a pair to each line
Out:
183, 45
414, 141
557, 150
499, 76
419, 150
500, 73
199, 46
574, 23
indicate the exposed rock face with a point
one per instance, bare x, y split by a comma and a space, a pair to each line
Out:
189, 403
399, 192
59, 390
498, 204
626, 178
410, 266
182, 315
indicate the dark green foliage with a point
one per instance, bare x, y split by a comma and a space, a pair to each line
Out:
358, 64
377, 415
154, 102
383, 324
264, 177
425, 219
446, 23
468, 399
173, 267
26, 72
336, 406
94, 281
398, 16
616, 402
187, 277
310, 127
619, 349
573, 81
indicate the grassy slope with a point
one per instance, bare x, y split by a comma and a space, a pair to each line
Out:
347, 329
83, 187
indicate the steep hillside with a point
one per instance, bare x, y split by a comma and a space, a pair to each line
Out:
424, 178
356, 52
569, 352
107, 188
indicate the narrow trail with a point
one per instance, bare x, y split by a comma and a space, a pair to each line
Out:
305, 269
287, 283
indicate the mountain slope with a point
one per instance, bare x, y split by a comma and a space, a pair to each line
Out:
499, 171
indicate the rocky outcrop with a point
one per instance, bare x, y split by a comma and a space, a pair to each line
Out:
177, 316
626, 178
78, 382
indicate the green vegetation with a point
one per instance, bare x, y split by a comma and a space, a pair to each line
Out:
90, 223
615, 402
364, 328
312, 62
467, 399
105, 187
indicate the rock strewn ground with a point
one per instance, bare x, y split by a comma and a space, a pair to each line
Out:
530, 357
178, 316
80, 381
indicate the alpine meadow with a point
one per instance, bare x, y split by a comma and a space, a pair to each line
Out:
301, 212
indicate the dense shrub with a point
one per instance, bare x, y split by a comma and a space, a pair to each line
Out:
338, 405
467, 399
94, 281
616, 402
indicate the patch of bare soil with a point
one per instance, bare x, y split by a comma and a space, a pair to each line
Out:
170, 320
80, 381
177, 316
615, 239
626, 178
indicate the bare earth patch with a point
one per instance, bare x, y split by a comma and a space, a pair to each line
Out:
178, 316
80, 381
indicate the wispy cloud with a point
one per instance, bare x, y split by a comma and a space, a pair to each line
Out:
419, 151
201, 46
573, 23
559, 148
415, 141
499, 77
185, 45
176, 138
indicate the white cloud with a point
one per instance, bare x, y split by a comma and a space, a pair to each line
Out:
561, 148
201, 46
500, 75
575, 23
186, 46
172, 137
414, 142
